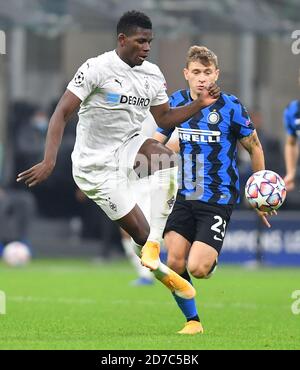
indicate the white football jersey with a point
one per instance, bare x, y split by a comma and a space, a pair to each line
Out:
149, 125
115, 101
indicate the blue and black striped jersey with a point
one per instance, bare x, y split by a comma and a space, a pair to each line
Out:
291, 118
208, 148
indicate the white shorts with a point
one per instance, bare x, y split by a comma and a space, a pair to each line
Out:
113, 187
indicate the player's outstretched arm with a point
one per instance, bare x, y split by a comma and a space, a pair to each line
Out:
167, 117
41, 171
291, 154
252, 144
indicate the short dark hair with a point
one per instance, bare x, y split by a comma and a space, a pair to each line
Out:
131, 20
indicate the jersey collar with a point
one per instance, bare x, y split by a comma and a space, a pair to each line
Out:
124, 65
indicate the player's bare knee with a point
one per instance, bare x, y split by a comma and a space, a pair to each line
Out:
198, 274
159, 157
176, 264
200, 271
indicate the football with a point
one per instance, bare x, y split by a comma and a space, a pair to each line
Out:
16, 254
265, 190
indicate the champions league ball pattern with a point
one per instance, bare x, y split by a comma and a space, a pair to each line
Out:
79, 78
265, 190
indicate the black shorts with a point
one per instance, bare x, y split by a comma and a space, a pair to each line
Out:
199, 221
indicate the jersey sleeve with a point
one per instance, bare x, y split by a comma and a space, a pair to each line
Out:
288, 122
241, 123
161, 96
164, 131
85, 80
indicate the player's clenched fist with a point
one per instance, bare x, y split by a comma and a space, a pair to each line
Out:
214, 90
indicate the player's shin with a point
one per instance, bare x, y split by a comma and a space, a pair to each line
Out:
187, 306
189, 309
163, 193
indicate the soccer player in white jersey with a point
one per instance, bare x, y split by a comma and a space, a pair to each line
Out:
142, 191
115, 92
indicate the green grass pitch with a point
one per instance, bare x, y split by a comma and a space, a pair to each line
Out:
68, 304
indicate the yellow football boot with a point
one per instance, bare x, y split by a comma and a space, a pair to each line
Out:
178, 285
150, 255
192, 327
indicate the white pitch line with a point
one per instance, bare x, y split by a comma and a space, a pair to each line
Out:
24, 299
69, 269
219, 306
84, 301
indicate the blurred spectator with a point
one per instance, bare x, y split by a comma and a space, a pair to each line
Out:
291, 121
30, 143
58, 196
30, 139
17, 209
17, 206
19, 114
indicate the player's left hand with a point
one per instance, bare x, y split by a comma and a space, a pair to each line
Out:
263, 216
214, 90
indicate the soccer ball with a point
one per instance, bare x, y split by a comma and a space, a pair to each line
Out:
16, 254
265, 190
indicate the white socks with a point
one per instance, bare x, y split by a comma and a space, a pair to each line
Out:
162, 270
133, 251
164, 185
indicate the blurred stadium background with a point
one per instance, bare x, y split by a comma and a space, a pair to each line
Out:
46, 41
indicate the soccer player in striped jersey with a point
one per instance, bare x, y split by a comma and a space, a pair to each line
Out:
209, 181
291, 119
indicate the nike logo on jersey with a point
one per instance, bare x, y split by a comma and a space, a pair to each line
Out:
202, 136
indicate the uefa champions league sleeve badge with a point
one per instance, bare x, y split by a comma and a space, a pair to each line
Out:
79, 78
